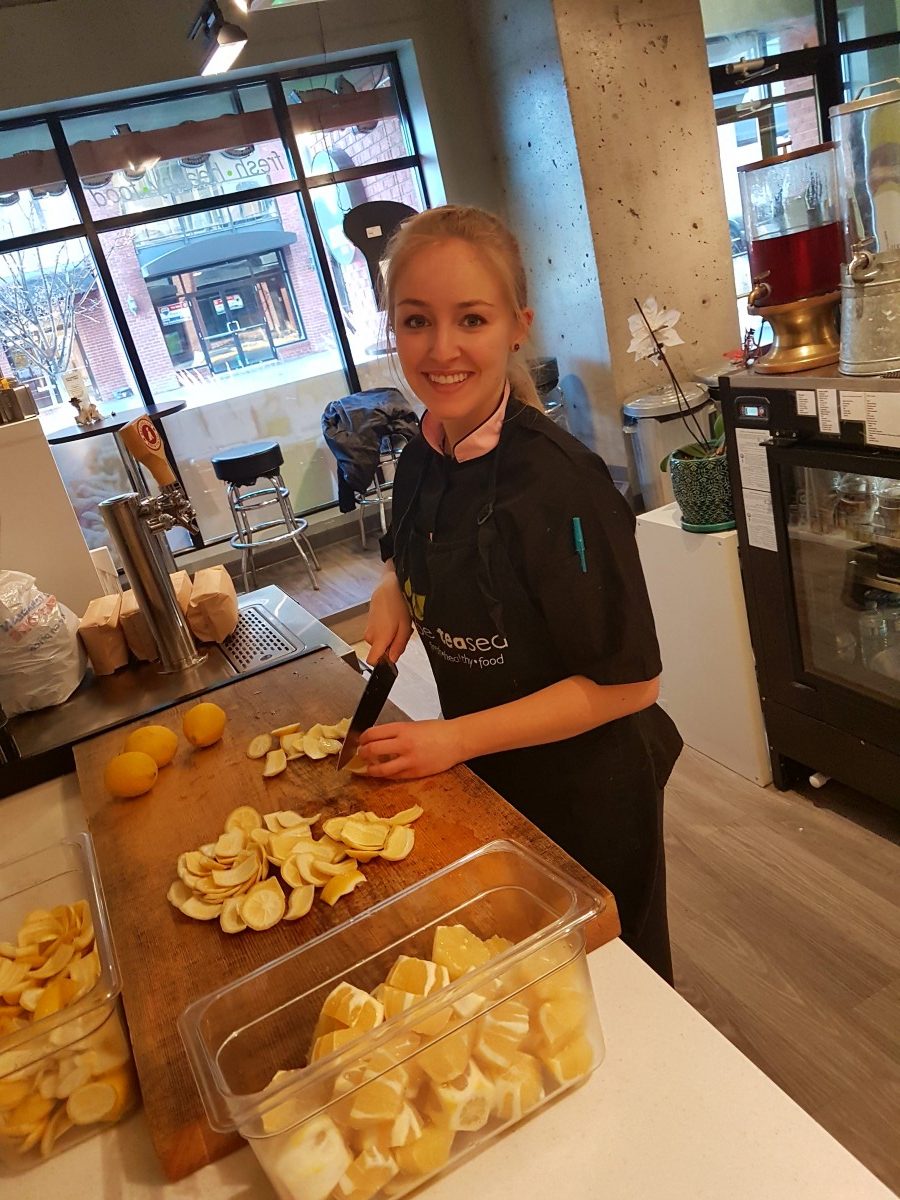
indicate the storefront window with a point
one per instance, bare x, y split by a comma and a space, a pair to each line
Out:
352, 277
33, 193
737, 31
56, 330
870, 66
230, 302
867, 18
146, 156
352, 114
226, 301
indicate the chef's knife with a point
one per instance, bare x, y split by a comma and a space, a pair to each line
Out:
370, 705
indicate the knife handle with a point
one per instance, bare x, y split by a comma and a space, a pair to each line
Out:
374, 698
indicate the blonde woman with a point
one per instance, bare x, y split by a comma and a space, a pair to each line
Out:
514, 556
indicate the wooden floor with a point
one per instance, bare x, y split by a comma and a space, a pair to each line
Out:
784, 911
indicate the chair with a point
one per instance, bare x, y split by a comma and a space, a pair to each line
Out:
240, 468
382, 484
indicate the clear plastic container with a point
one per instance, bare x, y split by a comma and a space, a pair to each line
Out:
67, 1074
417, 1092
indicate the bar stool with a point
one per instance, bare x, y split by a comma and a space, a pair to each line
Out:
382, 485
241, 467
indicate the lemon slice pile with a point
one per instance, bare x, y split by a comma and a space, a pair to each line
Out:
230, 879
52, 963
289, 742
398, 1112
45, 1088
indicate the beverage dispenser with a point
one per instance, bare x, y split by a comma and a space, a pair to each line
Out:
795, 244
868, 140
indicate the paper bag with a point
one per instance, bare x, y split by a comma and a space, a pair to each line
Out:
181, 584
141, 641
213, 611
102, 635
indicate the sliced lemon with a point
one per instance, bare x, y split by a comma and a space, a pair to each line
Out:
300, 902
448, 1057
230, 917
406, 817
417, 975
364, 835
427, 1153
352, 1006
463, 1103
260, 746
244, 817
398, 843
276, 762
500, 1034
571, 1060
309, 1163
458, 949
264, 905
95, 1101
518, 1088
286, 730
341, 885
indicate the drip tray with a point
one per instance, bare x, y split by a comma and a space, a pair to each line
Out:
259, 641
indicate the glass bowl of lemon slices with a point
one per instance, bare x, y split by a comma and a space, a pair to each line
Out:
368, 1060
66, 1069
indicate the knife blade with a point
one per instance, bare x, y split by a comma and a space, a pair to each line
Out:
372, 701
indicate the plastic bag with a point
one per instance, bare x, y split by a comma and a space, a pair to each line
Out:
42, 661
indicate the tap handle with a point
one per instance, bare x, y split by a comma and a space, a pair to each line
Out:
141, 439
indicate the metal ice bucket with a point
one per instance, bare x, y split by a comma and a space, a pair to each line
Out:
870, 314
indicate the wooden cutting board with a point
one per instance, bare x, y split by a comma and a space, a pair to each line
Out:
167, 960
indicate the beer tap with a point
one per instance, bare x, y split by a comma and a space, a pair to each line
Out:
138, 527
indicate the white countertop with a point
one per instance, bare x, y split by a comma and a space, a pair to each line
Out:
674, 1112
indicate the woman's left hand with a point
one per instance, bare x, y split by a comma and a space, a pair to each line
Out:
413, 749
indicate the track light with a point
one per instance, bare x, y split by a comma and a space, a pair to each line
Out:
222, 41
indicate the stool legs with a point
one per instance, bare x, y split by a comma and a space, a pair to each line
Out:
243, 504
300, 540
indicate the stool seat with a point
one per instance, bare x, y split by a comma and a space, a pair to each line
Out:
243, 465
239, 468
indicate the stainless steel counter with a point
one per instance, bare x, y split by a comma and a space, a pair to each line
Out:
272, 629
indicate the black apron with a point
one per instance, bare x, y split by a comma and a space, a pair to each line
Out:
597, 795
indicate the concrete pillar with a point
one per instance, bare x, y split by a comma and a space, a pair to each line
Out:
607, 147
639, 93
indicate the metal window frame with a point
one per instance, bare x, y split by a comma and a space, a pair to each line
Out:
91, 228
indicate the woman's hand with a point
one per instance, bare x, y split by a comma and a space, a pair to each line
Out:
390, 625
413, 749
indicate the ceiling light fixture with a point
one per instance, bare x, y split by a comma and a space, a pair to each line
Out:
222, 41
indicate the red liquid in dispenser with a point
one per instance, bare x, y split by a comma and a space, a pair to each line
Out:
807, 263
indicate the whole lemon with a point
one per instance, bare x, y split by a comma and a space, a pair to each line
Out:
156, 740
204, 724
130, 774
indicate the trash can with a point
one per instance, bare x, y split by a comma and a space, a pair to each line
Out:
545, 373
655, 426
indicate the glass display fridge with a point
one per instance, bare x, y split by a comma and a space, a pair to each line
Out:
815, 471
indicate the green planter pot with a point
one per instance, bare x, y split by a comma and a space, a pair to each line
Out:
703, 491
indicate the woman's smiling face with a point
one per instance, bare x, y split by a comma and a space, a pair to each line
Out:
455, 326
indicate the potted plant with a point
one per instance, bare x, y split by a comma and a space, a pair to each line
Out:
699, 469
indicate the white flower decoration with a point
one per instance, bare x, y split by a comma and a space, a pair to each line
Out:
663, 325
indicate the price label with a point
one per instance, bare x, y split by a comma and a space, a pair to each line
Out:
806, 404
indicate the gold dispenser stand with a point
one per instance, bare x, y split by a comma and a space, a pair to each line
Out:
804, 333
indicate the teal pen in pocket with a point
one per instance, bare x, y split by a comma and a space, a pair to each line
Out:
578, 538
